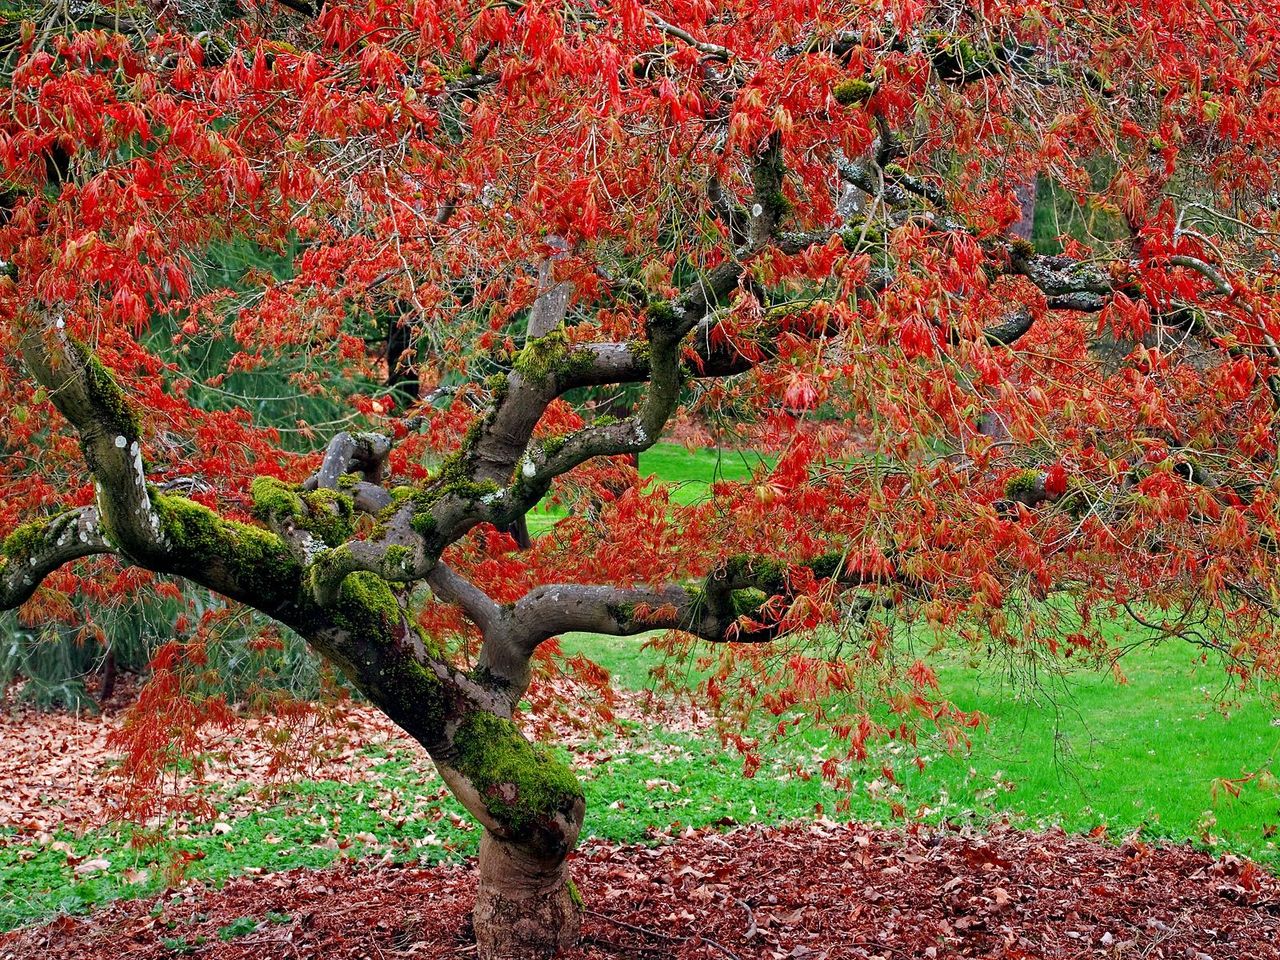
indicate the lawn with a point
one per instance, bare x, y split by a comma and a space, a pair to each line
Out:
688, 473
1085, 753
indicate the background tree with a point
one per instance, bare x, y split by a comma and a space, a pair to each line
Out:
799, 210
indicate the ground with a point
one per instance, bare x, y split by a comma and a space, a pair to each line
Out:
816, 890
677, 840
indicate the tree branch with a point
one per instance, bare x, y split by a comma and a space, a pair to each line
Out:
88, 396
36, 549
454, 588
714, 610
713, 51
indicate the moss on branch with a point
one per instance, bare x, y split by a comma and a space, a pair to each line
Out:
20, 545
257, 561
521, 783
853, 91
551, 357
328, 514
366, 606
113, 412
1022, 485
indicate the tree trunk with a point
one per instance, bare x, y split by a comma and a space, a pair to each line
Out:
108, 686
1027, 192
526, 907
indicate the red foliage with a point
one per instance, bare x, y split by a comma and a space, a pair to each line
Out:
426, 158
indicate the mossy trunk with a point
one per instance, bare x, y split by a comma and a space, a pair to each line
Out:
532, 808
527, 907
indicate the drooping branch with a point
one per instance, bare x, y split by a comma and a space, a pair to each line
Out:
363, 629
110, 437
37, 549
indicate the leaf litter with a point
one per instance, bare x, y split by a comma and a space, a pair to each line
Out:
803, 891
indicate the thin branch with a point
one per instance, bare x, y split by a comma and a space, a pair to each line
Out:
713, 51
454, 588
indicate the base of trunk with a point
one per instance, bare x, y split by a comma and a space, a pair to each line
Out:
525, 909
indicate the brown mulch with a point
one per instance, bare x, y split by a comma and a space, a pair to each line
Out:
805, 891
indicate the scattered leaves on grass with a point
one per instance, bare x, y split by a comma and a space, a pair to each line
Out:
56, 768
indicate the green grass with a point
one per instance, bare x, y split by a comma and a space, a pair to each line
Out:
653, 781
1140, 756
1082, 752
687, 474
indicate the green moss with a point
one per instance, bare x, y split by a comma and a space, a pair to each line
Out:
956, 58
747, 602
550, 356
521, 783
853, 91
274, 498
26, 539
400, 558
575, 895
826, 566
469, 489
622, 612
497, 385
420, 688
777, 205
1021, 484
1022, 248
257, 559
118, 417
763, 572
329, 514
424, 523
553, 445
422, 519
365, 605
856, 239
662, 313
538, 359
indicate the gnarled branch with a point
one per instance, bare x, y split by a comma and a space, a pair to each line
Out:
36, 549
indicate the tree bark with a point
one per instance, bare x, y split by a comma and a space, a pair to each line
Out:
1028, 193
526, 906
108, 685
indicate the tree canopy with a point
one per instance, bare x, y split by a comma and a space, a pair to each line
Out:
519, 241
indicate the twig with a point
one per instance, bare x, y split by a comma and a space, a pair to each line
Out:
662, 936
622, 950
721, 947
714, 51
632, 927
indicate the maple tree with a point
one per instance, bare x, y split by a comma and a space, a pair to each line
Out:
791, 219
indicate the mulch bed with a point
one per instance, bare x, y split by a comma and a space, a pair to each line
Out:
805, 891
